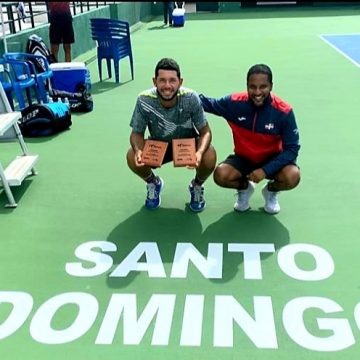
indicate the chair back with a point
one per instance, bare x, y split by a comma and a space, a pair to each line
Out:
7, 81
113, 42
20, 69
5, 75
109, 28
112, 37
33, 60
42, 75
16, 77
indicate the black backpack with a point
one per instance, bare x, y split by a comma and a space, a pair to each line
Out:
36, 46
45, 119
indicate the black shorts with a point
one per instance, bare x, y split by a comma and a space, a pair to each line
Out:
61, 33
168, 157
244, 165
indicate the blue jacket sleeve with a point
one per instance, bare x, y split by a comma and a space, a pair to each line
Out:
218, 107
291, 147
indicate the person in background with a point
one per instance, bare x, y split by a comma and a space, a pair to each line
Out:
170, 111
168, 11
61, 29
266, 141
20, 8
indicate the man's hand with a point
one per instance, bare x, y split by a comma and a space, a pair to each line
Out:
257, 175
198, 156
138, 155
137, 142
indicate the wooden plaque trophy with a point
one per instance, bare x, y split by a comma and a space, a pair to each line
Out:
153, 152
184, 152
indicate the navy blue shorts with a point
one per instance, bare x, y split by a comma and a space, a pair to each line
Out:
244, 165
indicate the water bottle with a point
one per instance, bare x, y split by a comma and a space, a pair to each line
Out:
67, 103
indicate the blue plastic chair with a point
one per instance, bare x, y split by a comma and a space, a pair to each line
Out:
42, 78
113, 43
7, 82
17, 82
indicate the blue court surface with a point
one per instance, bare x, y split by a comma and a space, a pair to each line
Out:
347, 45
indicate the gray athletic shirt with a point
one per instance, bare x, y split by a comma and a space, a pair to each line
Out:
182, 121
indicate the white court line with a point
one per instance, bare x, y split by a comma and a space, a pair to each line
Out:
337, 49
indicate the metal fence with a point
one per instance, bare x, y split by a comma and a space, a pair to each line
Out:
17, 16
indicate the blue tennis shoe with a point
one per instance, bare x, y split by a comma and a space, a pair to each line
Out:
153, 198
197, 201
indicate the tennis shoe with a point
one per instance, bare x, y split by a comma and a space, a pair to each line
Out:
243, 197
271, 201
197, 201
153, 198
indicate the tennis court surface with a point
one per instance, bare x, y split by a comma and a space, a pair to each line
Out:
87, 273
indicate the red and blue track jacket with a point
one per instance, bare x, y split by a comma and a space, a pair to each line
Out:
266, 134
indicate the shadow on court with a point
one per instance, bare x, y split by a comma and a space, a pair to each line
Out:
106, 85
167, 227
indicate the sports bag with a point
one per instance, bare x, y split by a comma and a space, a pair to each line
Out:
79, 101
36, 46
45, 119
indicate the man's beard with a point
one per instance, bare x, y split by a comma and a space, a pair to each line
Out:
162, 98
264, 101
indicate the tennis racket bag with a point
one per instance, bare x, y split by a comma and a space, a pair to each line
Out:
36, 46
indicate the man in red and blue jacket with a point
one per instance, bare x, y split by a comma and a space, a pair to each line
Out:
266, 141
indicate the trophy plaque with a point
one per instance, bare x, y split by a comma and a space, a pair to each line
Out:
153, 152
184, 152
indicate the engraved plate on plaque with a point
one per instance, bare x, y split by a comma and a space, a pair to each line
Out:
184, 152
153, 152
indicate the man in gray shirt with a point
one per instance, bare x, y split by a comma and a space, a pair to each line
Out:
170, 111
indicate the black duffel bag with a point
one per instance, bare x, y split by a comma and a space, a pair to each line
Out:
45, 119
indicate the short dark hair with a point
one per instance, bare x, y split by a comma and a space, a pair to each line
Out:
167, 64
260, 69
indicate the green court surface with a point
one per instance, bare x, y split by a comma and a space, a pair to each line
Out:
87, 273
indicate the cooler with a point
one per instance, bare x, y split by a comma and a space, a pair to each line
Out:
178, 16
68, 76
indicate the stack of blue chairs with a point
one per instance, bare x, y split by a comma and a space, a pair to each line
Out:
17, 80
7, 81
19, 60
113, 43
